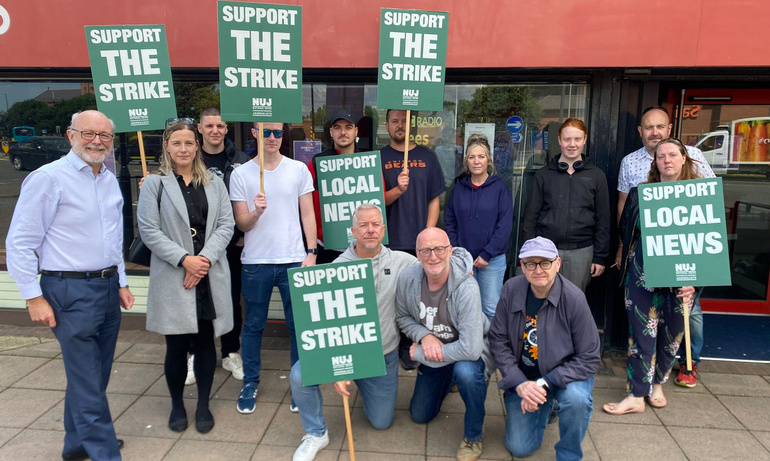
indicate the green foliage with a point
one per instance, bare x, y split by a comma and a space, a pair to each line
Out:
38, 114
494, 104
192, 98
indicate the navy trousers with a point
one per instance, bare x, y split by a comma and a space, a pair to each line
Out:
87, 315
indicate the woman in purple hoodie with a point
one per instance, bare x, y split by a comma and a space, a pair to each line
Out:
479, 218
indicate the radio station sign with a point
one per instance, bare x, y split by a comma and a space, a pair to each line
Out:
260, 62
412, 68
684, 237
132, 75
336, 322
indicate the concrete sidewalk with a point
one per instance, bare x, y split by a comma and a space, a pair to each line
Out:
726, 416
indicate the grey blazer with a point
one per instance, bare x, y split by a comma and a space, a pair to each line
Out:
171, 308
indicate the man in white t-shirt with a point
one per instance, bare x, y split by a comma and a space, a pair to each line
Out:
654, 127
272, 244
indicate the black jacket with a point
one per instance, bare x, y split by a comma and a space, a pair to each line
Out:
235, 158
571, 210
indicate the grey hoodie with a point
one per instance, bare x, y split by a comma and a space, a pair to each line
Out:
464, 305
386, 265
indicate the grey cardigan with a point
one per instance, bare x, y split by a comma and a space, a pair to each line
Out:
171, 308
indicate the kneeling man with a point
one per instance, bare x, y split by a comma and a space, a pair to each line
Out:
438, 306
379, 393
557, 370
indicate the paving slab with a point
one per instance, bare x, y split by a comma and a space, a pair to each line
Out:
231, 426
160, 389
53, 419
15, 342
602, 396
12, 369
133, 378
144, 353
718, 444
369, 456
752, 412
21, 407
694, 410
286, 428
276, 360
202, 450
763, 437
145, 448
402, 437
743, 385
147, 417
273, 387
50, 376
285, 453
32, 444
43, 348
7, 433
445, 433
634, 442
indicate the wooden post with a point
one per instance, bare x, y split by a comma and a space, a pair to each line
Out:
687, 349
141, 153
261, 138
349, 428
406, 140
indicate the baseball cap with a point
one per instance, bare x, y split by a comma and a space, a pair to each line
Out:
343, 114
539, 246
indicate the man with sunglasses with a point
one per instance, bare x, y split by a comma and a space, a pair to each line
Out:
546, 346
272, 244
654, 127
69, 220
438, 306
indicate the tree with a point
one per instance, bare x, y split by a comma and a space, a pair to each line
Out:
494, 104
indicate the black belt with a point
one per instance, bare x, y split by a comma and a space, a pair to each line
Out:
101, 274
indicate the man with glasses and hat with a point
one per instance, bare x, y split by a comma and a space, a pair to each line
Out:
546, 346
438, 306
69, 221
272, 244
344, 133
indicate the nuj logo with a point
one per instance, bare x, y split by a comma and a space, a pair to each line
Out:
411, 93
137, 112
684, 267
262, 102
342, 359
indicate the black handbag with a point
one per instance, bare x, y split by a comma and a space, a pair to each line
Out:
138, 253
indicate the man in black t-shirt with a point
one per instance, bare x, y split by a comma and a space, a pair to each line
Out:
557, 364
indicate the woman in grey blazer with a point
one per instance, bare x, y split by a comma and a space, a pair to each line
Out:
186, 219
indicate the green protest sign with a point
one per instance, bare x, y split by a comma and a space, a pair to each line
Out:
684, 237
132, 75
260, 62
413, 46
337, 323
344, 182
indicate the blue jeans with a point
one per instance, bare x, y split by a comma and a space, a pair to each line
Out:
433, 385
258, 282
379, 394
696, 336
490, 281
524, 432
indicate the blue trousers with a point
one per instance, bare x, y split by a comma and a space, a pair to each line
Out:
87, 313
524, 432
432, 387
379, 394
490, 281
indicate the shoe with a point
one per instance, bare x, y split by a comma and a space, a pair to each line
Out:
406, 360
234, 365
190, 371
247, 400
204, 421
81, 455
177, 421
469, 451
293, 408
686, 378
310, 447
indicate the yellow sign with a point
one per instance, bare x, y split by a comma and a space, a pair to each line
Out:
5, 146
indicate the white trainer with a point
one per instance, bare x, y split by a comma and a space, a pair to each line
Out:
310, 447
190, 371
234, 364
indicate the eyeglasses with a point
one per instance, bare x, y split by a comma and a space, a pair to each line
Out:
89, 135
277, 133
174, 121
425, 252
545, 265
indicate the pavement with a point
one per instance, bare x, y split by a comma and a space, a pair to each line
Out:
726, 416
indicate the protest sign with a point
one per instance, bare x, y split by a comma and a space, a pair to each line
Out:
132, 75
260, 62
336, 322
412, 68
345, 182
684, 237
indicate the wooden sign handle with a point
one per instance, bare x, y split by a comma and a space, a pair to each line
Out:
687, 347
261, 138
142, 158
406, 140
349, 427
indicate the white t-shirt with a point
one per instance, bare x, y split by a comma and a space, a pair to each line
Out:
635, 166
277, 236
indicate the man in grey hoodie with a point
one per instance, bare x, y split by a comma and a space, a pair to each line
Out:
438, 306
379, 393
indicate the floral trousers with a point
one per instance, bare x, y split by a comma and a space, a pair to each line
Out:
655, 328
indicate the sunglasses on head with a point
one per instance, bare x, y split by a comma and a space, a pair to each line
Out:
277, 133
174, 121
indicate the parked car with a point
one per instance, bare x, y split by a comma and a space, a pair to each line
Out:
36, 151
153, 149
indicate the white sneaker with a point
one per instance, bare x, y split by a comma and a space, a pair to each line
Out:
190, 371
234, 364
310, 447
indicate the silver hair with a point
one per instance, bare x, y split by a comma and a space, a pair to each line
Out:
77, 114
365, 206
